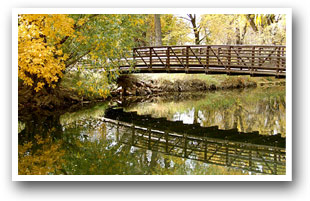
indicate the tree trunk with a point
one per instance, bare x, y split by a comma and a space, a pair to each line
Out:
252, 23
195, 28
158, 37
240, 37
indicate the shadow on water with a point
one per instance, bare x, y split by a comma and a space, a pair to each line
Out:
234, 132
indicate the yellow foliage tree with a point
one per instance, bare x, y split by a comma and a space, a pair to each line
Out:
49, 44
244, 29
40, 57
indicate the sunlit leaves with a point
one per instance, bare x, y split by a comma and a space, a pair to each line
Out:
218, 28
40, 61
174, 31
244, 29
49, 44
100, 42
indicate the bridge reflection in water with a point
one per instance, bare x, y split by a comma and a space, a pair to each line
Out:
240, 155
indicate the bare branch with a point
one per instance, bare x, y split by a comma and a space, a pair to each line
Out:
185, 18
78, 58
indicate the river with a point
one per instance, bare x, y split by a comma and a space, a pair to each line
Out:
226, 132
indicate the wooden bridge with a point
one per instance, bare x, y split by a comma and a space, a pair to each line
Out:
254, 60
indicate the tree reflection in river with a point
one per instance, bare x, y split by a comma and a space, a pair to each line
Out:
260, 109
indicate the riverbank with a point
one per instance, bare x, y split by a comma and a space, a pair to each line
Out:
74, 89
147, 84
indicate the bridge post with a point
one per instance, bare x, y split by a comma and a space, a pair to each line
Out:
187, 58
207, 59
253, 60
239, 58
278, 61
229, 60
134, 58
282, 58
168, 59
219, 56
260, 60
150, 66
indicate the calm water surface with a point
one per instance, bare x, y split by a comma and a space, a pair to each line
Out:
211, 133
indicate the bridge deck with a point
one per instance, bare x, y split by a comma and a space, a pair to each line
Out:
251, 60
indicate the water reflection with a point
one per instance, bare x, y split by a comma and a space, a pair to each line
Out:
82, 143
250, 157
260, 109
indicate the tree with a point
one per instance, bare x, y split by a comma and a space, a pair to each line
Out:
174, 31
243, 29
158, 37
50, 44
219, 29
195, 27
271, 27
41, 61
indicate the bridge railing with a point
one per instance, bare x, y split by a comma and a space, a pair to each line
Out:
229, 59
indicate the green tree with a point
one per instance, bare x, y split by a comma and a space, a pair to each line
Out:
48, 45
174, 31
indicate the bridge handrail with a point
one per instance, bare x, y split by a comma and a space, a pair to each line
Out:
146, 47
